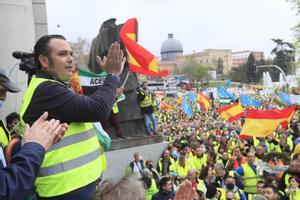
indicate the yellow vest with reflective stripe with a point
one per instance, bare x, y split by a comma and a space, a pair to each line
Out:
74, 162
4, 135
250, 179
146, 102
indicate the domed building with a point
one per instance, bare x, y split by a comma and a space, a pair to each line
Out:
170, 48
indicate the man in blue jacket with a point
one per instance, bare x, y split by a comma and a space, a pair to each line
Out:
18, 175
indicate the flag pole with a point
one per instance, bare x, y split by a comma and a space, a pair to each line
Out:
126, 78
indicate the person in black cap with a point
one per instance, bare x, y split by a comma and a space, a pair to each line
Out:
18, 174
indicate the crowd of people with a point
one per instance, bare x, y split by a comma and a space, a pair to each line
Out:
55, 148
209, 152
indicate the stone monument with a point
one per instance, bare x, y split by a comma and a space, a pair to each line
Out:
130, 117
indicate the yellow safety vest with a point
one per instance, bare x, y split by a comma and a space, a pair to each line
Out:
183, 171
172, 167
75, 162
115, 108
4, 135
198, 163
286, 180
295, 195
201, 186
146, 102
152, 190
222, 194
250, 179
255, 141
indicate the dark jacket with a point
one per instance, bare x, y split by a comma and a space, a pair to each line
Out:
67, 106
17, 178
164, 196
63, 104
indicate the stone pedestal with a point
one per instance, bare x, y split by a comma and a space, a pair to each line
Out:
118, 160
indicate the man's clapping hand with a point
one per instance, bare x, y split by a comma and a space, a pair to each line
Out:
44, 132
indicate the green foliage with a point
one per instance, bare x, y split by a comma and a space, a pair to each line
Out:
238, 74
284, 55
250, 69
296, 29
194, 71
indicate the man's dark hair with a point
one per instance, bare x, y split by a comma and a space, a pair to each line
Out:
11, 117
41, 47
274, 187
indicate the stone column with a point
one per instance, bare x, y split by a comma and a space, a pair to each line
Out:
17, 33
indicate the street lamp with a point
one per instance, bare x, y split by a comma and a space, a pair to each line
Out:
270, 66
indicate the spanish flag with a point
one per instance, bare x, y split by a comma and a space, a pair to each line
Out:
232, 112
261, 123
203, 101
139, 59
165, 106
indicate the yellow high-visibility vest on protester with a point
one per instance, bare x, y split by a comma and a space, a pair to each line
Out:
295, 195
152, 190
198, 163
286, 180
115, 108
146, 102
172, 167
75, 162
4, 135
250, 179
222, 193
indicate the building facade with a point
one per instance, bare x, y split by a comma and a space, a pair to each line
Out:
219, 60
241, 57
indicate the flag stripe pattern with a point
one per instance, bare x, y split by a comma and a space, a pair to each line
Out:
139, 59
261, 123
203, 101
232, 112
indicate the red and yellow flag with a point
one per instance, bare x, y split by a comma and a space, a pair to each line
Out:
179, 101
165, 106
203, 101
75, 82
261, 123
139, 59
232, 112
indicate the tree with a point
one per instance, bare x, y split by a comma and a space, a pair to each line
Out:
238, 74
194, 71
284, 55
250, 69
80, 52
296, 29
220, 66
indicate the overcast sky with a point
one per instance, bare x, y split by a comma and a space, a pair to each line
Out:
197, 24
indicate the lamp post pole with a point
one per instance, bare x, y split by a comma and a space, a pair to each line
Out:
274, 66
